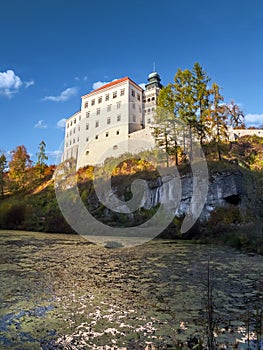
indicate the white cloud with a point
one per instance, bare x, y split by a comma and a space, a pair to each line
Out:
54, 154
9, 83
142, 85
63, 96
254, 120
99, 84
40, 125
61, 123
29, 83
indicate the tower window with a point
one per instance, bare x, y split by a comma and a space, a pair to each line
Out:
87, 152
86, 105
107, 134
153, 98
97, 124
87, 126
98, 111
107, 97
87, 114
114, 94
138, 97
93, 102
118, 118
96, 137
133, 93
118, 132
122, 92
118, 105
100, 99
108, 120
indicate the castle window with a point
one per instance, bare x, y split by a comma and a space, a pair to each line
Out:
97, 124
87, 114
115, 147
86, 105
118, 105
71, 123
67, 134
73, 140
133, 93
98, 111
100, 99
87, 152
149, 110
114, 94
68, 125
149, 100
78, 139
118, 132
96, 137
107, 134
74, 130
153, 98
118, 118
108, 108
144, 100
107, 97
87, 126
93, 102
75, 121
70, 142
87, 139
122, 92
108, 120
138, 97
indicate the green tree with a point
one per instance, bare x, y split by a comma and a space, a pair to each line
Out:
41, 158
19, 165
3, 163
218, 120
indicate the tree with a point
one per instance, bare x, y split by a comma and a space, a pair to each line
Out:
218, 120
18, 166
3, 163
236, 115
41, 158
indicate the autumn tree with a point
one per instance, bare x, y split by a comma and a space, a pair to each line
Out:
218, 120
3, 163
41, 158
236, 116
19, 164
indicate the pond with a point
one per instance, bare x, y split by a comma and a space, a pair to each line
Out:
61, 292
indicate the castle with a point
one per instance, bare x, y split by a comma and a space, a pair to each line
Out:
115, 119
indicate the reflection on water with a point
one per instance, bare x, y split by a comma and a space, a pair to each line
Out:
58, 290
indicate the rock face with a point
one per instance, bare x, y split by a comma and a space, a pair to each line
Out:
224, 189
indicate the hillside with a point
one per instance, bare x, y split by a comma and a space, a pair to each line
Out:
235, 219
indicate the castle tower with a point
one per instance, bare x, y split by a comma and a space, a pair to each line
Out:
150, 95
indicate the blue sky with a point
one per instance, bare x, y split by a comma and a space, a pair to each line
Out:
52, 52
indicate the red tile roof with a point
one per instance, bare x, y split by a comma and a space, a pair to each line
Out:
112, 83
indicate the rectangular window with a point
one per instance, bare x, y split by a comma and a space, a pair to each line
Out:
75, 121
100, 99
118, 118
107, 97
87, 139
86, 105
133, 93
93, 102
122, 92
108, 108
87, 114
114, 94
118, 105
108, 120
107, 134
96, 137
118, 132
98, 111
138, 97
87, 126
97, 124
